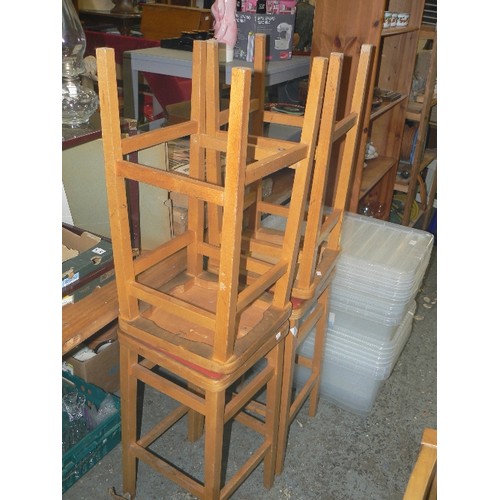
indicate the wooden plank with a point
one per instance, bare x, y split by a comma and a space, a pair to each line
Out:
159, 136
374, 171
87, 316
424, 472
227, 299
274, 163
172, 181
386, 107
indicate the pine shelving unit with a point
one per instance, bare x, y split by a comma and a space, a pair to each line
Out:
343, 26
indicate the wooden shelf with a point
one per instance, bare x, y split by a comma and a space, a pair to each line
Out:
361, 22
374, 172
401, 185
398, 31
386, 106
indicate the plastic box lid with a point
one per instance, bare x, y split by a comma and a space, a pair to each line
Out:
361, 351
344, 336
381, 290
368, 306
383, 249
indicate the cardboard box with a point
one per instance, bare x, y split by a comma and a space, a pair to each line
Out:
103, 369
279, 29
87, 262
87, 288
272, 6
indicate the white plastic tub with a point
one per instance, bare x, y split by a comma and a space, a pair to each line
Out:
368, 307
379, 330
376, 358
354, 366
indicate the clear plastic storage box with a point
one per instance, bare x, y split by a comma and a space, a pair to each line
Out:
372, 303
378, 274
378, 318
382, 258
354, 365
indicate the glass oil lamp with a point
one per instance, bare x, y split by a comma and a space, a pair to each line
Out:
79, 103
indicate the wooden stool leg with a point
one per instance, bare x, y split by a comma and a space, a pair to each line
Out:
273, 398
195, 425
128, 396
214, 436
286, 398
319, 346
195, 420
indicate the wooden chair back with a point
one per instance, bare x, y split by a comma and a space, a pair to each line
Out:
212, 321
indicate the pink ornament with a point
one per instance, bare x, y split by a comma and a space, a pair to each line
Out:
225, 29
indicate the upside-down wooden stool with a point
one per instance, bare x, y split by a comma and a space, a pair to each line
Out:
321, 230
204, 330
321, 246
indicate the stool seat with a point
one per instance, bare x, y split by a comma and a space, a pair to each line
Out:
178, 363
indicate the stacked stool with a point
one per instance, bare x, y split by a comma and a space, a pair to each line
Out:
203, 330
319, 244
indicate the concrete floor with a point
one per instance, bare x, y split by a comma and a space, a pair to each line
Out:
336, 455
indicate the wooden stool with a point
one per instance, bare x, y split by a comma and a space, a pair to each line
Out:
320, 248
205, 330
321, 227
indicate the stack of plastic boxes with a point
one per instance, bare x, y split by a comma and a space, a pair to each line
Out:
372, 303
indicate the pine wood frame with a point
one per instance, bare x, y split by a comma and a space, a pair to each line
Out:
320, 238
208, 370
